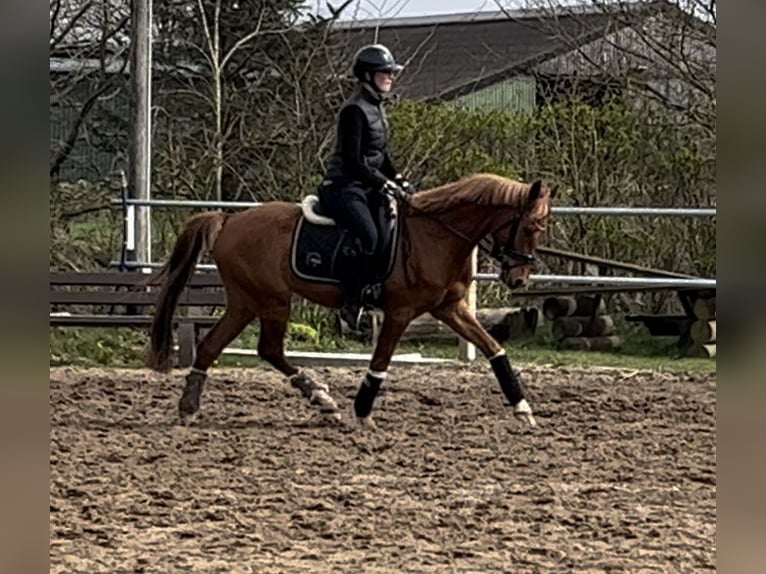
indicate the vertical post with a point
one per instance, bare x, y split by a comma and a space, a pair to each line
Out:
140, 122
467, 351
127, 224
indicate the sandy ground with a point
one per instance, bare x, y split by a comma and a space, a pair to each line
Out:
620, 476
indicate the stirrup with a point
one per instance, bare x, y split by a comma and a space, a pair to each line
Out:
372, 295
352, 313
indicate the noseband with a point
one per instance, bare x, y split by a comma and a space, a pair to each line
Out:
507, 255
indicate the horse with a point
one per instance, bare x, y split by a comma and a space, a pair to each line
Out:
431, 273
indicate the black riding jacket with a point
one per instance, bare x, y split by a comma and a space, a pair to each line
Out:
360, 156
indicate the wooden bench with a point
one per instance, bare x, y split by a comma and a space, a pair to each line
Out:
119, 299
662, 325
675, 325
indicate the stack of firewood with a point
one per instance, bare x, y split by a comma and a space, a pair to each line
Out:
703, 330
581, 323
502, 324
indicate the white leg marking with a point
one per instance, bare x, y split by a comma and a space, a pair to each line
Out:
524, 412
522, 407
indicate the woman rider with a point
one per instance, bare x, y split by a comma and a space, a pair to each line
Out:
359, 167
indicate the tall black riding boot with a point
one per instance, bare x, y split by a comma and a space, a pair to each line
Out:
352, 312
352, 309
355, 284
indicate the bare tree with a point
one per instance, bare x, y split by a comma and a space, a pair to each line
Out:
87, 50
661, 51
218, 58
246, 89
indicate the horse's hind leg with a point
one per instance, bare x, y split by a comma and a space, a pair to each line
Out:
234, 320
271, 343
271, 349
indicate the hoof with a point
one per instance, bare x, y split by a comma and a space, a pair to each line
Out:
367, 422
189, 419
318, 394
189, 402
324, 401
523, 412
188, 406
527, 418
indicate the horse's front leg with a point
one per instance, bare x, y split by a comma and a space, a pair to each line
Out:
391, 332
458, 317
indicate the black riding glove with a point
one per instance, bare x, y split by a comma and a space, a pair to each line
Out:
403, 183
391, 189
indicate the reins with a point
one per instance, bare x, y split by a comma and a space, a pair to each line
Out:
498, 254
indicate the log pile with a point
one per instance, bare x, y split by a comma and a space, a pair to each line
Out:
581, 323
502, 323
703, 330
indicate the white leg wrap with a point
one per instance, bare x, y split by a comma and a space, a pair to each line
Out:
378, 374
199, 371
500, 353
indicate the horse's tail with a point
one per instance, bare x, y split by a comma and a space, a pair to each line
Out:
200, 232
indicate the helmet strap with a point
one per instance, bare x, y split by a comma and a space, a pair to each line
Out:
369, 84
370, 81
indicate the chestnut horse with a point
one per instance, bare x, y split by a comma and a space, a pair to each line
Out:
431, 274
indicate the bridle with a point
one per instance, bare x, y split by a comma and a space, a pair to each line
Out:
507, 255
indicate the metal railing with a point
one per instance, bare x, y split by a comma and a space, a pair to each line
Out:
695, 283
129, 205
611, 280
560, 210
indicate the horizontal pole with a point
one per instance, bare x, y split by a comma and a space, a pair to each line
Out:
592, 289
312, 358
622, 211
637, 211
187, 203
602, 280
602, 261
157, 265
541, 279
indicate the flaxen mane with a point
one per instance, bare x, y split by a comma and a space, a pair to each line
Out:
477, 189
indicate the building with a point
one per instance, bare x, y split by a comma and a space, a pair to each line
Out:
518, 59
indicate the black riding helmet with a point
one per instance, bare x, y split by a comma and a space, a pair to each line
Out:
374, 58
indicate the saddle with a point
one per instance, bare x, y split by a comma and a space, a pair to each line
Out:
321, 250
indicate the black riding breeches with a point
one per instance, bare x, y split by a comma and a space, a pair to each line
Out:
348, 206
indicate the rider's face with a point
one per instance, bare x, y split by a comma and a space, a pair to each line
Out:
384, 81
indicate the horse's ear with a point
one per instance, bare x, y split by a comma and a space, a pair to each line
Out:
554, 191
534, 191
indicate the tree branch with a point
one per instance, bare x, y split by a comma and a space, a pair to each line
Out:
242, 41
63, 154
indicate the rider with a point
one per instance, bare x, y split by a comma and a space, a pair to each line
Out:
361, 166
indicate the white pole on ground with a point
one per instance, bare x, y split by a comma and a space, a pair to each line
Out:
467, 351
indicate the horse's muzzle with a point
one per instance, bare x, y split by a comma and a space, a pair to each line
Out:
506, 276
